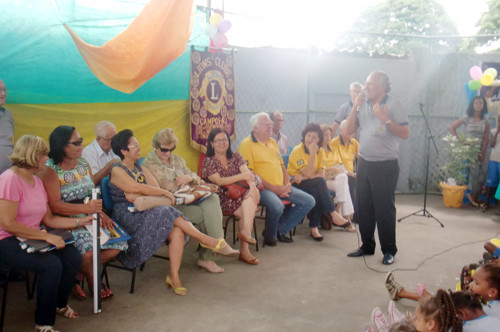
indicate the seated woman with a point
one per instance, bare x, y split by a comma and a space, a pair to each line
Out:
23, 202
68, 181
337, 175
307, 167
222, 167
152, 227
171, 173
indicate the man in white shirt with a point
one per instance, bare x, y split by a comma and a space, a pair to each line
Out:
277, 120
98, 153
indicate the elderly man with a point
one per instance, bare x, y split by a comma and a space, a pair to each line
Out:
263, 157
277, 135
98, 153
354, 90
383, 122
6, 131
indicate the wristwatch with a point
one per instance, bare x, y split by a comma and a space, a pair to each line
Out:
388, 122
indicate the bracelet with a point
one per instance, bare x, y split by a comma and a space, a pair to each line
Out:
77, 223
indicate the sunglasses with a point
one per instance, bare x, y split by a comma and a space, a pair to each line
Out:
167, 150
78, 142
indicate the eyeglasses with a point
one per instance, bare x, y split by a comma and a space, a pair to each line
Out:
167, 150
135, 146
265, 124
278, 120
220, 140
78, 142
106, 139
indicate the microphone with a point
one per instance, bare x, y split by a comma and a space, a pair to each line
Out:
421, 105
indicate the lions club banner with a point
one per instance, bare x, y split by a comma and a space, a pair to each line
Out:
211, 96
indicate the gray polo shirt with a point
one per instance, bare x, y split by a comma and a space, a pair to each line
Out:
376, 142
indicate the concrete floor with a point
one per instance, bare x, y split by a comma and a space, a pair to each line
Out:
297, 287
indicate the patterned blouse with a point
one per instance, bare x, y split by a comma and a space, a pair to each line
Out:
165, 174
76, 184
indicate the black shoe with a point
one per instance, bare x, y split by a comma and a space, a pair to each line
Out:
318, 238
283, 238
358, 253
271, 243
388, 259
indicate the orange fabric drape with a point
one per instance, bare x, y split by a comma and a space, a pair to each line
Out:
156, 37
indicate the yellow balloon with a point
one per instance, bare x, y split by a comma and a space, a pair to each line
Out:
215, 19
491, 71
486, 79
495, 241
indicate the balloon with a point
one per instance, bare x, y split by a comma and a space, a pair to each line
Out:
474, 84
486, 79
215, 19
210, 30
220, 40
212, 47
475, 72
224, 26
491, 71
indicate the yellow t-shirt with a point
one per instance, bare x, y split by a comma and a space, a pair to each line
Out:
263, 159
299, 159
347, 154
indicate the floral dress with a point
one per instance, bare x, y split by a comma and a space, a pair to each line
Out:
212, 165
76, 185
148, 229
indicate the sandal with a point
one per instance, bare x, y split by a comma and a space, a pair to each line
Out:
222, 248
106, 293
67, 312
44, 328
78, 291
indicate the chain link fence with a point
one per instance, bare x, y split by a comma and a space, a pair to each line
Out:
310, 88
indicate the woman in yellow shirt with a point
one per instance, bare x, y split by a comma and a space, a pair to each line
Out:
337, 176
307, 167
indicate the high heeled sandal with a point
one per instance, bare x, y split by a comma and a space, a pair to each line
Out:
78, 291
106, 293
246, 239
44, 328
182, 291
222, 248
67, 312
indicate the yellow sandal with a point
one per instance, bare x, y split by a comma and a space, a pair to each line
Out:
182, 291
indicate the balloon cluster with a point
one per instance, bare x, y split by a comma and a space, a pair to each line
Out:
216, 30
479, 77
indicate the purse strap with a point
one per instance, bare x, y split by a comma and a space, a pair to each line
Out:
242, 185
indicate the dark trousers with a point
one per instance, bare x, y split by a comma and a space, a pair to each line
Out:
375, 186
56, 272
324, 204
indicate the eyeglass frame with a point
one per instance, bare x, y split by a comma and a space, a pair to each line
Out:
78, 142
221, 140
136, 145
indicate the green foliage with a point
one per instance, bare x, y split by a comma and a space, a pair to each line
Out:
489, 23
463, 153
403, 18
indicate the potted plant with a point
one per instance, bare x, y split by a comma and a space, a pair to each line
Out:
463, 155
